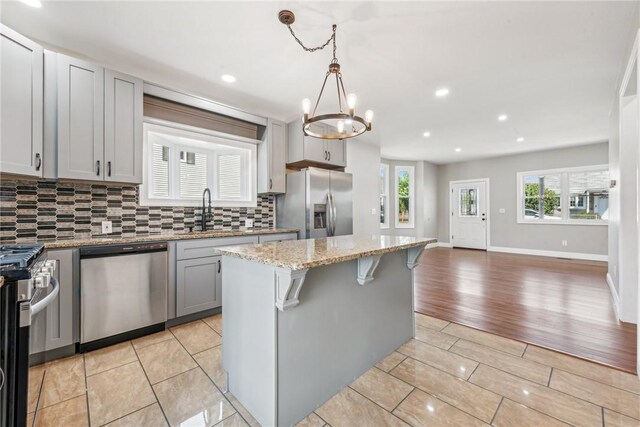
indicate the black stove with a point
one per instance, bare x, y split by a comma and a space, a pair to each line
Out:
17, 261
27, 286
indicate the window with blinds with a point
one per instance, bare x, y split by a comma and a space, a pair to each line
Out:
182, 163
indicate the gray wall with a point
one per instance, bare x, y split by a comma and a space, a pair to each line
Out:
363, 160
502, 171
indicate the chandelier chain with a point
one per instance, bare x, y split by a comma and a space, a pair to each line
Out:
313, 49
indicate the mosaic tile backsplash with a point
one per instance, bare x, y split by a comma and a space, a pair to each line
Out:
54, 210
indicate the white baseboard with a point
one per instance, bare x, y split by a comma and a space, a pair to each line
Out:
554, 254
444, 245
614, 294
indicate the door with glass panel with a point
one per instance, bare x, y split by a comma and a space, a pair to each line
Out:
469, 215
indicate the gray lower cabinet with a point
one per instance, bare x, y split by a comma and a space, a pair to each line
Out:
21, 93
52, 328
198, 285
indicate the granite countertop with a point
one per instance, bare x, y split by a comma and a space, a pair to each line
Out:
163, 237
310, 253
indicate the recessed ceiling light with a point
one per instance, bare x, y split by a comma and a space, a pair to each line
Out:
458, 150
426, 134
228, 78
32, 3
441, 93
521, 139
502, 117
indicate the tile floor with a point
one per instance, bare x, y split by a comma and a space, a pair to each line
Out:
450, 375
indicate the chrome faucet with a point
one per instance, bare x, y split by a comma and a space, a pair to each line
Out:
205, 215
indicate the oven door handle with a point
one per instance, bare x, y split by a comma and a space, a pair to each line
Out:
44, 302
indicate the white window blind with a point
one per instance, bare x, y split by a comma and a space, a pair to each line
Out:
229, 176
193, 174
160, 171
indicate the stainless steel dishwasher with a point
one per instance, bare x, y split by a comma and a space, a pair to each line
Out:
123, 292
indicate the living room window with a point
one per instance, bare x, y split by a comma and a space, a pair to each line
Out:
404, 192
564, 196
180, 164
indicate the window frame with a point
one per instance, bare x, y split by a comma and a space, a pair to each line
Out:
565, 197
385, 225
412, 207
204, 137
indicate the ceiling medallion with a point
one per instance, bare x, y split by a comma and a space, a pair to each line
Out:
340, 125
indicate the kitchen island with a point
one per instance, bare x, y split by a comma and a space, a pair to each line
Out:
303, 319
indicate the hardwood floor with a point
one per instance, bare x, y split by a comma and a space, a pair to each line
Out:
564, 305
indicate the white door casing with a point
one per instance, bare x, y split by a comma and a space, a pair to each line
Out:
469, 214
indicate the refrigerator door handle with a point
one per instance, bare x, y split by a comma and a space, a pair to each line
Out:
329, 211
332, 209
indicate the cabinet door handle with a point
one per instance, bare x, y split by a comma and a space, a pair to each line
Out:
325, 154
109, 168
329, 155
270, 183
98, 167
219, 266
38, 161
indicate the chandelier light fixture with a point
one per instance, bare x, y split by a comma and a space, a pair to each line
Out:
342, 124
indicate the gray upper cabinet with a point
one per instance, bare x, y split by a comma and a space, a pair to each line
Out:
52, 328
272, 158
306, 150
98, 121
21, 89
80, 119
122, 128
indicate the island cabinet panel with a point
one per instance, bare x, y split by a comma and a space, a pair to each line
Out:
198, 285
122, 127
52, 328
21, 62
80, 119
330, 332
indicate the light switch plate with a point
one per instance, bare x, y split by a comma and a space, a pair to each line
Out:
107, 227
502, 210
248, 223
373, 211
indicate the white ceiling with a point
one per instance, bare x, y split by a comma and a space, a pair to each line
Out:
551, 66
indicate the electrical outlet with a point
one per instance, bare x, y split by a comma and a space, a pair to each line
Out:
564, 243
248, 223
107, 227
502, 210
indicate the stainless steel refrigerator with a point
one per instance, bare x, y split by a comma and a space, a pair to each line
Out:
318, 202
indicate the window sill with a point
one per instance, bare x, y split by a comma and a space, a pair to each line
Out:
198, 203
563, 222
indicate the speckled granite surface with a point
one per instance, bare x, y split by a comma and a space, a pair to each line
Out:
310, 253
164, 237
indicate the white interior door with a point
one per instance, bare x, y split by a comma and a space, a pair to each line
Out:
469, 215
